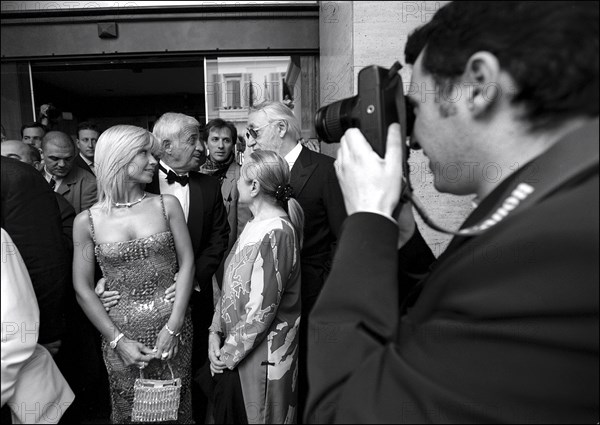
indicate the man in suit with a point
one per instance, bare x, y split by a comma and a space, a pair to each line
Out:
31, 155
77, 185
87, 137
273, 126
182, 152
200, 196
219, 138
31, 216
504, 328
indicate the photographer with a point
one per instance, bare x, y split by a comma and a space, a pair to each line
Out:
505, 326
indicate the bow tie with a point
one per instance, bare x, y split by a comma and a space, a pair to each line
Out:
173, 177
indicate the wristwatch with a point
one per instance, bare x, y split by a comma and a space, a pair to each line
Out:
114, 342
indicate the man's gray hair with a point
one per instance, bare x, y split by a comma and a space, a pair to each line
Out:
278, 111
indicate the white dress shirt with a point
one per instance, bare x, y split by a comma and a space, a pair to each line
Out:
182, 193
293, 155
49, 177
88, 162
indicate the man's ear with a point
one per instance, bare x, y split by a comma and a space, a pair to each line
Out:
166, 146
483, 78
282, 128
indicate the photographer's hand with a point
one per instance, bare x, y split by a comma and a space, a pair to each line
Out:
370, 183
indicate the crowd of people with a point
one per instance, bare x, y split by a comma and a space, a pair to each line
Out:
293, 287
184, 261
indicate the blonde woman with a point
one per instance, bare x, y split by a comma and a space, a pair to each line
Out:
140, 241
253, 345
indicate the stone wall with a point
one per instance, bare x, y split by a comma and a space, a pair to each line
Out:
361, 33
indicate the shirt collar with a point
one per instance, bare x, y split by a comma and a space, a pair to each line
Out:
166, 167
50, 176
293, 155
87, 161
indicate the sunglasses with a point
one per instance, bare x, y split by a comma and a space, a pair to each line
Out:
251, 132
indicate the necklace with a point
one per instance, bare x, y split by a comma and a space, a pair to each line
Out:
129, 204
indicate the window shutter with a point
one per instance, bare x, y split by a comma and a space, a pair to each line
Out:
218, 90
246, 90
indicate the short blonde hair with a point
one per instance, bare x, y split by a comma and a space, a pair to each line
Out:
277, 111
115, 150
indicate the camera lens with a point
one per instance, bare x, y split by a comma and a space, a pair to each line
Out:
332, 121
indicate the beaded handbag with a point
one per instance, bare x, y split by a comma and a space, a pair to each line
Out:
156, 400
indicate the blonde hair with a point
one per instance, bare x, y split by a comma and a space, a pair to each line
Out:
271, 171
115, 150
278, 111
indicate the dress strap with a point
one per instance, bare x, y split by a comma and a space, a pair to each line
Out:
92, 226
162, 203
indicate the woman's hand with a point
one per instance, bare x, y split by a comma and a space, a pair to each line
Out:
134, 353
166, 345
214, 354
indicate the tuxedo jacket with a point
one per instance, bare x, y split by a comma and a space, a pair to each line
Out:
82, 164
503, 329
207, 224
79, 188
31, 216
318, 192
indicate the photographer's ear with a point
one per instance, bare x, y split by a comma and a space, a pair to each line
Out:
482, 74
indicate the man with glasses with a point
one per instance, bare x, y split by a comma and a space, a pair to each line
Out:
273, 126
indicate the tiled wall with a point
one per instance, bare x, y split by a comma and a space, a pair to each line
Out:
361, 33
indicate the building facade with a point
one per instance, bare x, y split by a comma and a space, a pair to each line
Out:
129, 62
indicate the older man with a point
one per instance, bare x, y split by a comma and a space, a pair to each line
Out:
74, 183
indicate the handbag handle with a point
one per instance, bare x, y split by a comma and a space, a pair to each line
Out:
170, 368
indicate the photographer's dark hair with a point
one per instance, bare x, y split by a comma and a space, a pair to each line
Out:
549, 48
33, 125
219, 124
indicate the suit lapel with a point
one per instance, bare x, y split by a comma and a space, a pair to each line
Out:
67, 181
301, 171
196, 214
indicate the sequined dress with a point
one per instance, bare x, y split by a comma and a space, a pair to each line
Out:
141, 270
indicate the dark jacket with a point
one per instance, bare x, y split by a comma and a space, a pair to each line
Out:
31, 216
504, 328
318, 192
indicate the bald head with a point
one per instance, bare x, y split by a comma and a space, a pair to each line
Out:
59, 153
16, 149
57, 138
